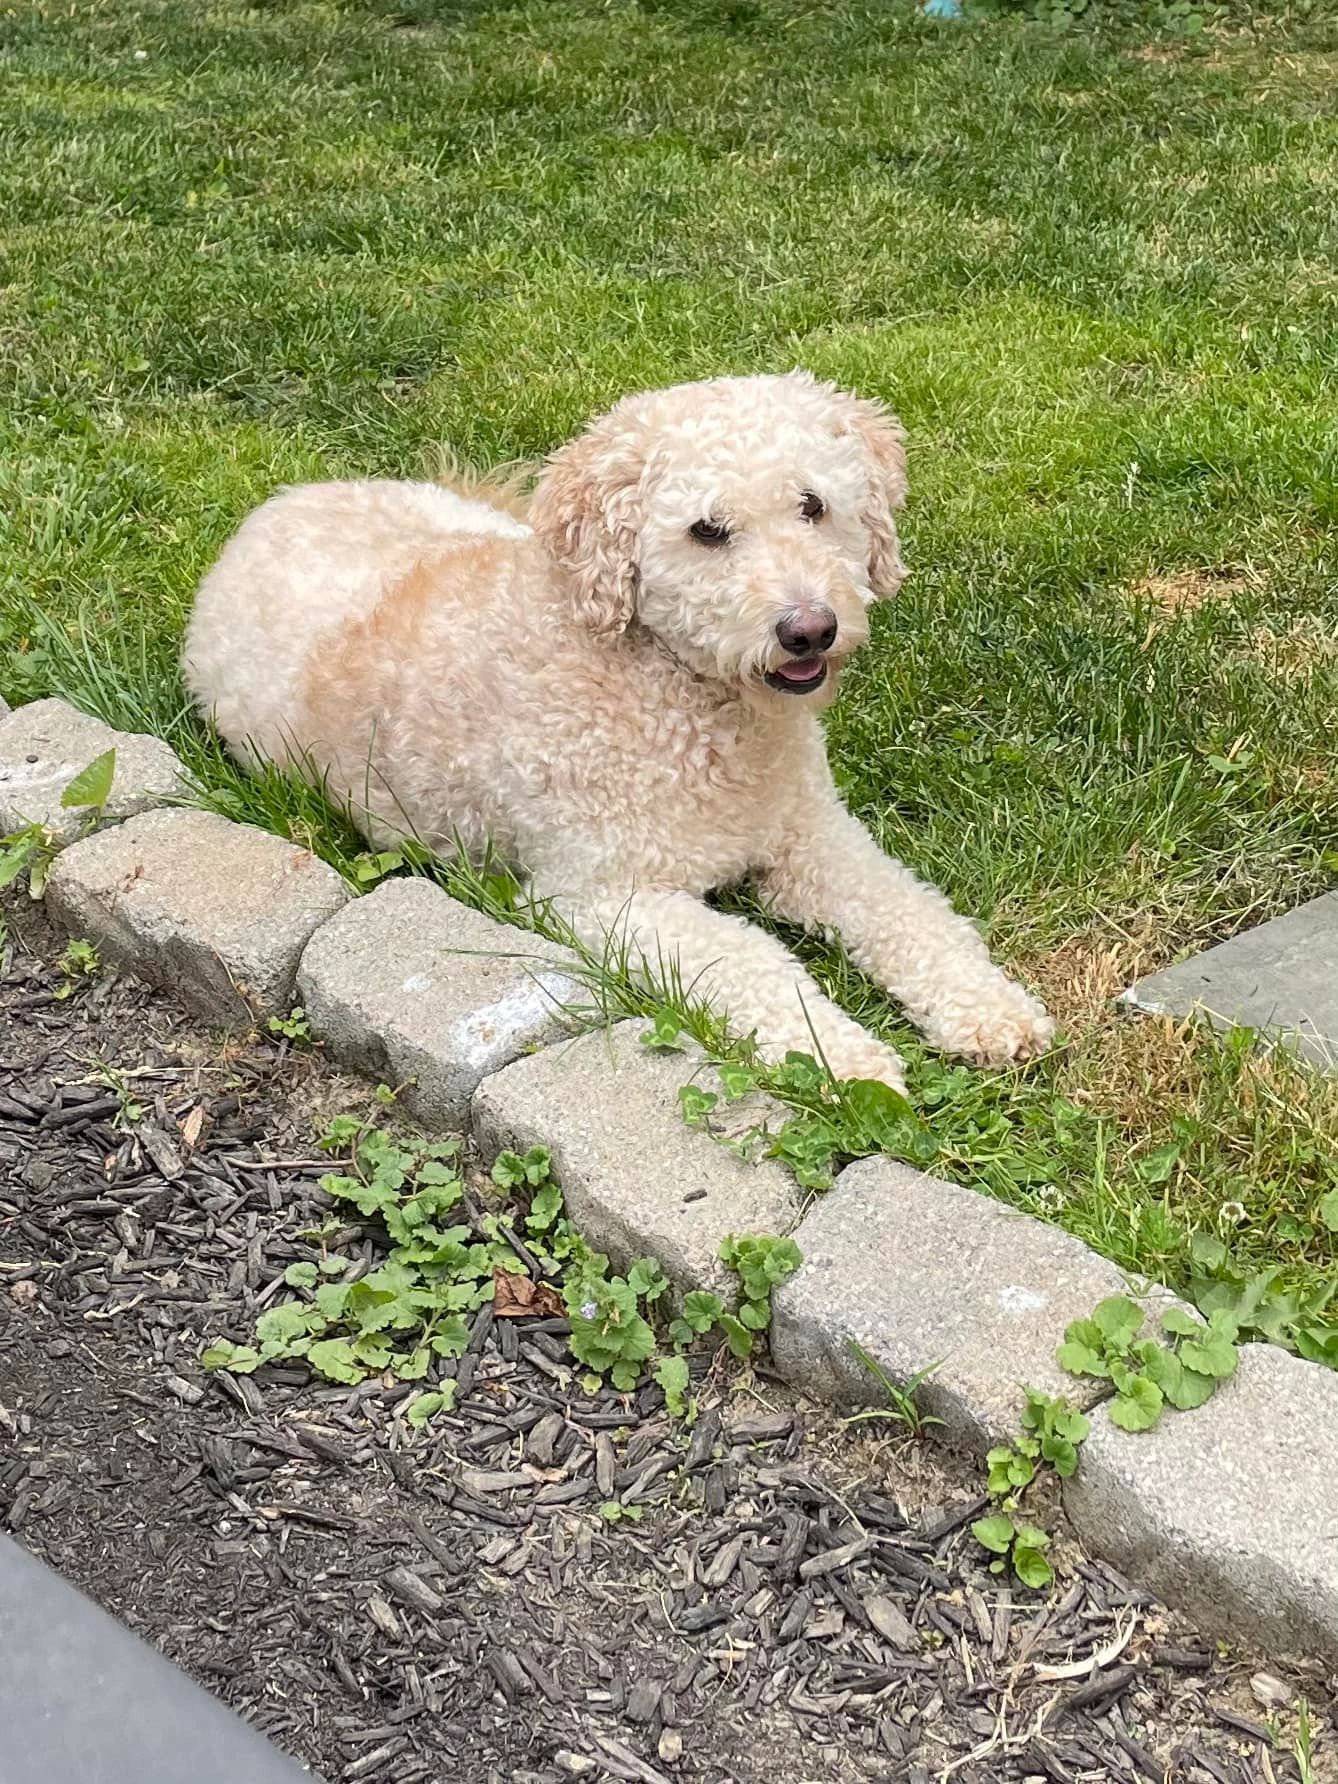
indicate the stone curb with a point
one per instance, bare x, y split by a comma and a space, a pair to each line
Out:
217, 912
45, 744
411, 987
83, 1701
1228, 1511
637, 1181
924, 1274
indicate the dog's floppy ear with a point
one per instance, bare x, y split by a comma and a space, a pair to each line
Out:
885, 448
586, 511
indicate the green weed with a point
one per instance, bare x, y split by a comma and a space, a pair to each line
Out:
1051, 1433
1182, 1368
900, 1406
30, 849
77, 965
1148, 1373
1303, 1748
447, 1255
1021, 1546
293, 1027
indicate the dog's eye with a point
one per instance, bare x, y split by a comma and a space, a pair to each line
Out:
812, 507
709, 532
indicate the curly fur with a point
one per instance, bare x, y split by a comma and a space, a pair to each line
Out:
593, 689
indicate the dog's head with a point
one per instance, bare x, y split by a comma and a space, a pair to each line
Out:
746, 522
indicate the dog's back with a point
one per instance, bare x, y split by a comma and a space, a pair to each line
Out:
306, 569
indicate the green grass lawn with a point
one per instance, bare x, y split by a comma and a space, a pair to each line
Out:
1096, 274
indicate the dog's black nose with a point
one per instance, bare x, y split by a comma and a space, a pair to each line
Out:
806, 633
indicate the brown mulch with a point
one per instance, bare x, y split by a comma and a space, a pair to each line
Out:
801, 1602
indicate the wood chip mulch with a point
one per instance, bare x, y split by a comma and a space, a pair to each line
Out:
798, 1602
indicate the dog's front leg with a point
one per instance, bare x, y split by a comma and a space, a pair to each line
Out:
829, 874
744, 974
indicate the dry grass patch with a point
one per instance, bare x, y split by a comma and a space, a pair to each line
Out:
1147, 1071
1079, 980
1224, 1133
1295, 651
1180, 592
1184, 1129
1137, 1070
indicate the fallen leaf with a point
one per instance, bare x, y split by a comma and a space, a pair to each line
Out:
519, 1297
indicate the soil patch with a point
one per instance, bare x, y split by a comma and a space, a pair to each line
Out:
798, 1600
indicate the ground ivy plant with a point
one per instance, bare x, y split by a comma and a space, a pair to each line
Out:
447, 1254
1180, 1367
1303, 1320
1051, 1432
1021, 1546
77, 965
830, 1120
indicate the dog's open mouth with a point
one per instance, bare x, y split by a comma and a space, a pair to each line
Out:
801, 677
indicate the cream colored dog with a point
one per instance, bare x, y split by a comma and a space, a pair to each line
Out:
621, 692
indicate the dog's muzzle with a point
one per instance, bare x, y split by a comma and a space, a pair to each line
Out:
807, 634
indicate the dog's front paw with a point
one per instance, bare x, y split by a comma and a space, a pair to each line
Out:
999, 1023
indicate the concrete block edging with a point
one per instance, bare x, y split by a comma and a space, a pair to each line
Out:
1228, 1511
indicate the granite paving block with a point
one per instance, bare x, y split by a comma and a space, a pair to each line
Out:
45, 744
409, 986
918, 1271
1229, 1512
1281, 977
216, 912
638, 1182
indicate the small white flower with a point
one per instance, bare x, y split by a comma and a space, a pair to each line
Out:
141, 55
1234, 1212
589, 1310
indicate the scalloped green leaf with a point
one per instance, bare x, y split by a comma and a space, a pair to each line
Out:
1182, 1322
1213, 1353
281, 1324
672, 1375
994, 1533
1080, 1359
1118, 1319
334, 1359
1030, 1564
238, 1359
1138, 1405
424, 1407
92, 785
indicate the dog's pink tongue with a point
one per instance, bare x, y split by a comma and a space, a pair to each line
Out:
808, 671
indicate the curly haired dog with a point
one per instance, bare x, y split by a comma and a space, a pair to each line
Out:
621, 692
